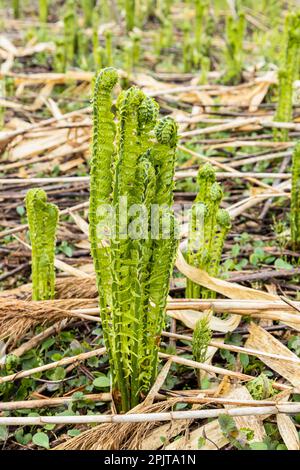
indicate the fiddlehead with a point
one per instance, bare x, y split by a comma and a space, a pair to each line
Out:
70, 32
208, 228
108, 48
101, 188
163, 257
43, 10
133, 270
163, 155
295, 199
42, 219
235, 29
201, 338
288, 73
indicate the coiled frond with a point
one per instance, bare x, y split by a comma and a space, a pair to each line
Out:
42, 219
208, 229
130, 172
295, 199
288, 73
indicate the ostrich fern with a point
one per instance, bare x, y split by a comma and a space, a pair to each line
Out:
208, 228
201, 338
295, 199
70, 32
42, 219
43, 10
132, 271
235, 29
288, 73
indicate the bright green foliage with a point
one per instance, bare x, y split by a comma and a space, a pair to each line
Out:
187, 48
82, 49
16, 8
108, 48
208, 229
129, 14
261, 387
288, 73
70, 33
295, 199
201, 338
87, 7
201, 7
136, 47
2, 95
43, 10
235, 29
42, 219
164, 36
132, 271
59, 58
205, 67
97, 51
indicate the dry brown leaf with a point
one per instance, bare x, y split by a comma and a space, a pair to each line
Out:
196, 97
288, 431
149, 83
212, 433
74, 163
263, 341
66, 268
250, 94
228, 289
8, 46
41, 98
190, 318
252, 422
81, 223
36, 146
153, 440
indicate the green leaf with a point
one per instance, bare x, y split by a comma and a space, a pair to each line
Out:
22, 438
281, 264
227, 423
47, 344
20, 210
41, 439
244, 358
201, 442
3, 432
58, 374
258, 446
101, 382
73, 432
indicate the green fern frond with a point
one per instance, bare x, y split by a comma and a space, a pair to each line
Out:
295, 198
208, 229
42, 219
133, 272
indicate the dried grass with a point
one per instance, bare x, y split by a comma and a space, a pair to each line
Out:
70, 287
17, 317
129, 436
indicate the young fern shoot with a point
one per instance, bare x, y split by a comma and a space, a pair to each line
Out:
208, 229
42, 220
288, 73
201, 338
43, 10
295, 199
70, 33
235, 29
130, 171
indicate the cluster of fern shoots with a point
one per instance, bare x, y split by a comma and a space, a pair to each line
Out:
133, 158
208, 229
